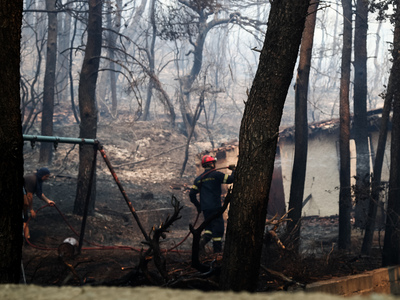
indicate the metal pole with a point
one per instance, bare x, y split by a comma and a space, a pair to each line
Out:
108, 163
56, 139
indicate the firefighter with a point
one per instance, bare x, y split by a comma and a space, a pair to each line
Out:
208, 185
33, 185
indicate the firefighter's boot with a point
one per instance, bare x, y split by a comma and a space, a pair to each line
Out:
205, 238
217, 246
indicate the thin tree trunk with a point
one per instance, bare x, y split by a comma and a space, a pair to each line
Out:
11, 143
344, 139
46, 149
301, 126
257, 146
71, 80
196, 116
151, 59
64, 33
87, 105
112, 38
360, 127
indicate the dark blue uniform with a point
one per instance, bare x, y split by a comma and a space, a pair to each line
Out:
208, 184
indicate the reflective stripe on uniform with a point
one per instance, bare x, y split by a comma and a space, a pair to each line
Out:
207, 232
217, 239
194, 187
225, 178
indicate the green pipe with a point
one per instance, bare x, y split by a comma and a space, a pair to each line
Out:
56, 139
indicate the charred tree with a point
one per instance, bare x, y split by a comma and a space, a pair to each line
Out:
87, 105
391, 247
46, 149
301, 126
344, 138
11, 143
258, 140
360, 126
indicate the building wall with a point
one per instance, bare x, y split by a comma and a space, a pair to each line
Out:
386, 162
322, 174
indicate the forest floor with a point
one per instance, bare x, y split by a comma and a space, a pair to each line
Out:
147, 158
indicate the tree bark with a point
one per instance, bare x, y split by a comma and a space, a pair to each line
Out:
257, 147
301, 126
360, 127
11, 143
46, 149
344, 139
391, 247
87, 105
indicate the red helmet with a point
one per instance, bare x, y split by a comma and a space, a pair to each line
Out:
207, 159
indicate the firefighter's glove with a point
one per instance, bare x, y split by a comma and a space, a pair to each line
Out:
232, 167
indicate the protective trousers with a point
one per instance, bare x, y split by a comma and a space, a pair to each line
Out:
213, 231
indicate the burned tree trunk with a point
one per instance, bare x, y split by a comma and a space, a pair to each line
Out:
344, 139
11, 143
360, 113
46, 149
257, 147
301, 126
87, 105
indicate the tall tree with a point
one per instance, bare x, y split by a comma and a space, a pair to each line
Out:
151, 57
64, 38
301, 126
11, 143
87, 104
257, 147
46, 149
111, 41
391, 247
360, 127
344, 138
